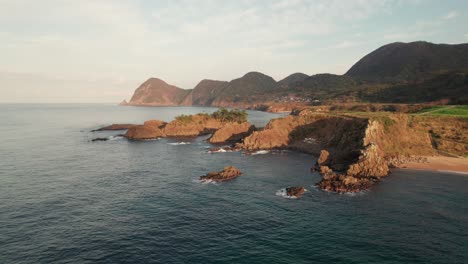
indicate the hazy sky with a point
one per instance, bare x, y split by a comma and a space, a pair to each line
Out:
101, 50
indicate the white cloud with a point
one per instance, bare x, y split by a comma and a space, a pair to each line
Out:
181, 41
451, 15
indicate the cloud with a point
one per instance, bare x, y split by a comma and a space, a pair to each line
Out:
181, 41
451, 15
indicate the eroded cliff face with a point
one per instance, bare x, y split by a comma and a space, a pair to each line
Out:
231, 132
353, 150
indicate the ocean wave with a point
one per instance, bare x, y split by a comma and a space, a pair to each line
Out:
116, 137
179, 143
258, 152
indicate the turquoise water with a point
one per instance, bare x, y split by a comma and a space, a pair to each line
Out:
64, 199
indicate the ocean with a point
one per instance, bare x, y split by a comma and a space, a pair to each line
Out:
65, 199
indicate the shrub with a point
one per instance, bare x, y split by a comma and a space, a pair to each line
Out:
184, 118
234, 115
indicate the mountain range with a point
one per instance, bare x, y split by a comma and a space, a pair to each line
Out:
413, 72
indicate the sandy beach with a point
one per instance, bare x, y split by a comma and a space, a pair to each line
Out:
439, 163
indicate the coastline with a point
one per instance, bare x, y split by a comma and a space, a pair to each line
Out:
439, 163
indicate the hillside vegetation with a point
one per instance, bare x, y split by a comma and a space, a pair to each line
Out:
417, 72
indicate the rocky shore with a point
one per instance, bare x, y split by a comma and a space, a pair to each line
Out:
354, 152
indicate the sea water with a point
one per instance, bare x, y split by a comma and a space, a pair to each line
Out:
65, 199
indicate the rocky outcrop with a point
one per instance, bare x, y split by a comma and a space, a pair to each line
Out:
371, 163
361, 173
192, 126
149, 130
231, 132
124, 102
228, 173
114, 127
342, 183
295, 191
276, 134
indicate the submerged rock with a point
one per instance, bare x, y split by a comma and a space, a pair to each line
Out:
228, 173
114, 127
295, 191
99, 139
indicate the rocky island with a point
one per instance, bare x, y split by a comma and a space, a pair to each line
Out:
228, 173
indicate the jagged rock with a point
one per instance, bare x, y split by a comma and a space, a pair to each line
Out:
149, 130
295, 191
192, 126
341, 183
324, 158
231, 132
325, 170
371, 163
114, 127
99, 139
228, 173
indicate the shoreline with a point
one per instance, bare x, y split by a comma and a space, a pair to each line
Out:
440, 164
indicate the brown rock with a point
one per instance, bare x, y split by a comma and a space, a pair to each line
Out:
324, 158
295, 191
228, 173
155, 123
371, 163
324, 170
147, 131
115, 127
192, 126
231, 132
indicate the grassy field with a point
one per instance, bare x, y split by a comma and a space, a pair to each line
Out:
443, 110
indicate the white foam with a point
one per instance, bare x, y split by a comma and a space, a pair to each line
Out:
205, 181
221, 150
115, 137
151, 139
179, 143
283, 193
260, 152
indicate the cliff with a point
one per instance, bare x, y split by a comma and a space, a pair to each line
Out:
156, 92
397, 73
354, 150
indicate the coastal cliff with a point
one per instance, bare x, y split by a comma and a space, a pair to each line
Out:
354, 150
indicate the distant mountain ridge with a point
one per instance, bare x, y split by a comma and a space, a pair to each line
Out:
397, 72
406, 62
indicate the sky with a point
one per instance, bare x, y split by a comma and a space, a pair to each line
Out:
101, 50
